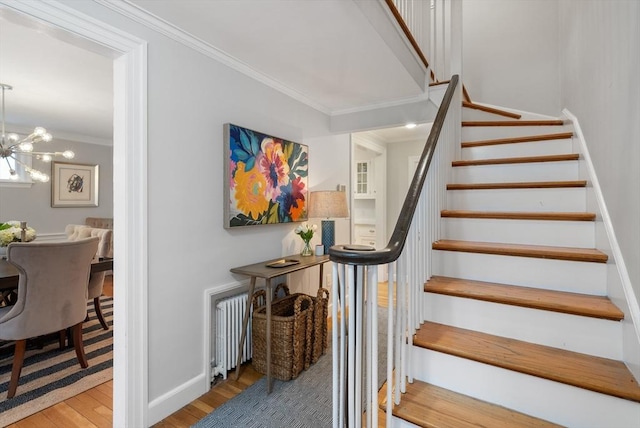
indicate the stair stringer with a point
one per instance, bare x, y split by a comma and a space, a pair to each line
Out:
542, 398
619, 287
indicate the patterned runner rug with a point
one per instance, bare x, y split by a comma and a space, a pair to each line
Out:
300, 403
51, 375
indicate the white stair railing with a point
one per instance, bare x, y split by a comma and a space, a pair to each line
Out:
435, 26
409, 255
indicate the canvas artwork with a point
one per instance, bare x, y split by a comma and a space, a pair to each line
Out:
265, 178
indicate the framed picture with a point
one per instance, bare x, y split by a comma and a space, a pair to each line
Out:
265, 178
74, 185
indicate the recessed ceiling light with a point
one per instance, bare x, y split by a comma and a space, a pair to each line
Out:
410, 125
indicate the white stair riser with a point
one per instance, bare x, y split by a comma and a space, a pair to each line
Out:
535, 148
545, 399
471, 114
401, 423
531, 232
517, 172
478, 133
537, 200
548, 274
586, 335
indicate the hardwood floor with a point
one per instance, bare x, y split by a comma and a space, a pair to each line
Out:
94, 408
217, 396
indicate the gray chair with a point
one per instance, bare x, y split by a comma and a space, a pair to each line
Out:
102, 223
96, 280
52, 295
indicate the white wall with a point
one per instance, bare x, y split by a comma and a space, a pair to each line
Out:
33, 204
329, 166
510, 54
189, 250
600, 51
190, 97
398, 177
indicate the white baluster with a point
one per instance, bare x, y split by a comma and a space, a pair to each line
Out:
390, 311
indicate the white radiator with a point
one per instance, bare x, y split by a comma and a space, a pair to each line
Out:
229, 314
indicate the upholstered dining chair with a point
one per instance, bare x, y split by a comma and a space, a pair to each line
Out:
52, 296
96, 280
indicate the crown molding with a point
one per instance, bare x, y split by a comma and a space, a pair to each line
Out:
399, 102
153, 22
61, 135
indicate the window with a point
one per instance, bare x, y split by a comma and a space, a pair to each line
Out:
23, 177
5, 167
362, 178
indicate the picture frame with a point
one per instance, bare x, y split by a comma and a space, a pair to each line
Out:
74, 185
265, 179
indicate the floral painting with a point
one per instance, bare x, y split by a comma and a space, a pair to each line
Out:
265, 178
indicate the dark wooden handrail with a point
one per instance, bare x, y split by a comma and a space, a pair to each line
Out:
407, 33
342, 253
416, 46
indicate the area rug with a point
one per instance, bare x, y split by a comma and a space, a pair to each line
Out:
300, 403
51, 375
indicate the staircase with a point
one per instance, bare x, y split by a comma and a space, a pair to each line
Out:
519, 330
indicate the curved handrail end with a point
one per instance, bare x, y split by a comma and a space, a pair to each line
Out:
390, 253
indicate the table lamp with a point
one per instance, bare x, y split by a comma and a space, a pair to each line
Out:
328, 204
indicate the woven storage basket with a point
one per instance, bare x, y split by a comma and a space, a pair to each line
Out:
320, 314
319, 336
291, 326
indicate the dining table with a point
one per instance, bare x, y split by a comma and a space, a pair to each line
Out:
9, 276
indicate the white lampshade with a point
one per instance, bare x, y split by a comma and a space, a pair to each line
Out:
328, 204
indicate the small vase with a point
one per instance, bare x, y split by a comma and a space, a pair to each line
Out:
306, 251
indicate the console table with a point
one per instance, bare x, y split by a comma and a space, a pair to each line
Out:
288, 265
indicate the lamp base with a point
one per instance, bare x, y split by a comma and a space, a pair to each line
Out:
328, 234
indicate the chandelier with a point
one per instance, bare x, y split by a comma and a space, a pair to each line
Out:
12, 146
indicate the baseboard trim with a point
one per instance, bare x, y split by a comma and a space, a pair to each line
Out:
620, 266
174, 399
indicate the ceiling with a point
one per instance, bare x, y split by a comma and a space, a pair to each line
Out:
325, 53
56, 85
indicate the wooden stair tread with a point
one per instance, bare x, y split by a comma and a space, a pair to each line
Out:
515, 140
518, 185
549, 300
597, 374
431, 406
552, 122
516, 215
492, 110
520, 250
517, 160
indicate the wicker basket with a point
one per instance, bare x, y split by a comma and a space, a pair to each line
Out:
320, 314
319, 337
291, 327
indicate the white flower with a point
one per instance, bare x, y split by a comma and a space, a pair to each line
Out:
11, 232
306, 231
